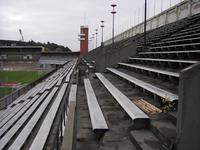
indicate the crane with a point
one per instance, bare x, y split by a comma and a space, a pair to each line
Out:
22, 37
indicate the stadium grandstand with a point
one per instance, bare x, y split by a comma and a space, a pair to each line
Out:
138, 92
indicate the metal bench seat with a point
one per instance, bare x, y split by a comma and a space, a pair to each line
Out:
45, 128
191, 27
4, 128
165, 60
181, 37
39, 88
191, 31
51, 84
58, 78
151, 88
18, 110
63, 76
175, 46
68, 77
177, 41
30, 93
159, 71
25, 133
128, 106
169, 52
99, 125
20, 122
11, 107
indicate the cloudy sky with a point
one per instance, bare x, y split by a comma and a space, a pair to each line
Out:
59, 21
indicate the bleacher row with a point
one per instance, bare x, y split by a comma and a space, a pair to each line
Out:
28, 122
90, 65
153, 76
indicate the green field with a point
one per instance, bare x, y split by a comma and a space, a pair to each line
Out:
5, 91
20, 76
23, 77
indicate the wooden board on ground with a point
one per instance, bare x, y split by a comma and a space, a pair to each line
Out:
147, 107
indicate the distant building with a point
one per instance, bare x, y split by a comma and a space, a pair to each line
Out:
83, 40
28, 54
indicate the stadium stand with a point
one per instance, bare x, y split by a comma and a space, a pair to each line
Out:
132, 104
45, 100
145, 83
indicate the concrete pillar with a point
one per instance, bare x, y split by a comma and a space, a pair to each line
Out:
188, 123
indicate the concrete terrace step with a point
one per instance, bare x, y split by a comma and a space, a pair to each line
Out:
165, 131
144, 139
151, 88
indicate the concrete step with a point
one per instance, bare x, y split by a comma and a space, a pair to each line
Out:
172, 116
165, 131
144, 139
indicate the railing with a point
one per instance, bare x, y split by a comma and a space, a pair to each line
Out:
182, 10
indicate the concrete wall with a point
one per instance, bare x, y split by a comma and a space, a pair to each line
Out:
188, 124
180, 11
107, 57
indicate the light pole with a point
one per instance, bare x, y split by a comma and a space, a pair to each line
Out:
113, 12
90, 45
154, 7
93, 41
102, 26
145, 23
96, 36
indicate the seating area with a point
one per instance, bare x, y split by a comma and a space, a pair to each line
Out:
34, 115
90, 65
173, 32
132, 110
151, 77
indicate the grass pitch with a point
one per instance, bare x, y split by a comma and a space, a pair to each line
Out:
23, 77
5, 91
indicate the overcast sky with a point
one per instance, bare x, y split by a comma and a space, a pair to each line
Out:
59, 21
